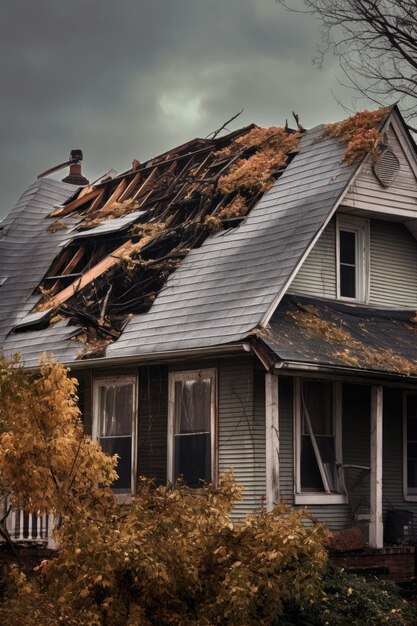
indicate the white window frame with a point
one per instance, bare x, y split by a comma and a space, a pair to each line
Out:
407, 495
318, 497
359, 226
109, 381
184, 375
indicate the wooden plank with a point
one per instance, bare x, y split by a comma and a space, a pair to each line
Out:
96, 202
105, 264
130, 187
146, 182
376, 529
114, 196
272, 440
75, 204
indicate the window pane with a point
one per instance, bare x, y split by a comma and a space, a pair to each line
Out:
328, 458
116, 409
412, 474
310, 473
193, 458
318, 402
192, 406
347, 247
412, 429
348, 281
412, 406
123, 447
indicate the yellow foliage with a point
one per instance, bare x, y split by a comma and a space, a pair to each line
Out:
174, 557
46, 461
359, 132
255, 172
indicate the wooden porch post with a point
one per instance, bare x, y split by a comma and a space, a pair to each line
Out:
376, 530
272, 440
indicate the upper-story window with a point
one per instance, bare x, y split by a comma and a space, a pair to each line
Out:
352, 256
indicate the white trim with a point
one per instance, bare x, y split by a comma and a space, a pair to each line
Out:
184, 375
319, 497
101, 381
271, 440
376, 528
408, 497
359, 226
403, 140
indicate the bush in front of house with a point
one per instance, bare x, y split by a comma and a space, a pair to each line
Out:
172, 557
350, 600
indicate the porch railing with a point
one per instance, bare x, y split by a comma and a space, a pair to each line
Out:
29, 527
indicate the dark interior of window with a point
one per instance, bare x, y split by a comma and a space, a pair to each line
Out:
412, 443
115, 435
192, 436
347, 242
317, 408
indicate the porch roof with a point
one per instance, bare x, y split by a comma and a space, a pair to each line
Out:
327, 333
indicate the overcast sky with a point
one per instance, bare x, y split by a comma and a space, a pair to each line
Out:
132, 78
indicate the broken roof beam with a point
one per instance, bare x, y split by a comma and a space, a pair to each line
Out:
75, 204
105, 264
115, 196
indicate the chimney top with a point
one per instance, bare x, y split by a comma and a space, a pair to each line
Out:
75, 176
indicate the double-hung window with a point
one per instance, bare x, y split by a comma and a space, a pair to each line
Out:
410, 446
114, 426
318, 445
352, 257
191, 427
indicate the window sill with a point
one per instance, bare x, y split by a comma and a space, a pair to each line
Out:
320, 498
123, 498
410, 498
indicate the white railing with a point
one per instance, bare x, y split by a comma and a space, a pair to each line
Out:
23, 526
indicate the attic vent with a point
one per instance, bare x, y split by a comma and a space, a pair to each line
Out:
387, 167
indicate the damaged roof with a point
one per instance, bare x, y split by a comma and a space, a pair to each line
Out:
191, 249
327, 333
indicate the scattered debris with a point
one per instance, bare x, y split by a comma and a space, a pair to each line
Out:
346, 348
360, 134
56, 226
181, 197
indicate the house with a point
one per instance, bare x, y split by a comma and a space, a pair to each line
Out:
245, 301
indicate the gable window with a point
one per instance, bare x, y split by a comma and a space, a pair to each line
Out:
318, 441
410, 446
191, 427
352, 254
114, 426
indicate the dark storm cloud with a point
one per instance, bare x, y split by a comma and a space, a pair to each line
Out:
132, 78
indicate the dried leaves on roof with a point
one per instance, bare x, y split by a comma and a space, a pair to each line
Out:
359, 133
184, 195
346, 348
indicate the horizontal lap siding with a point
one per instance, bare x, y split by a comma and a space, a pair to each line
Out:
259, 433
317, 275
153, 423
238, 435
367, 193
392, 478
393, 265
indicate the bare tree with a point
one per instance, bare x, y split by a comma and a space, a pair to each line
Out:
376, 42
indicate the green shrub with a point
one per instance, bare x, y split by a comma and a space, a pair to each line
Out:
350, 600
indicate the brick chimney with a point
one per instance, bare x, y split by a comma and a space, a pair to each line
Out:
75, 176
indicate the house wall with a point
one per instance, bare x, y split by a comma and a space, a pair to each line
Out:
393, 266
367, 193
241, 421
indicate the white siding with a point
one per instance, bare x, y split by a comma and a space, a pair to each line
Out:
367, 192
241, 432
317, 276
393, 271
393, 267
